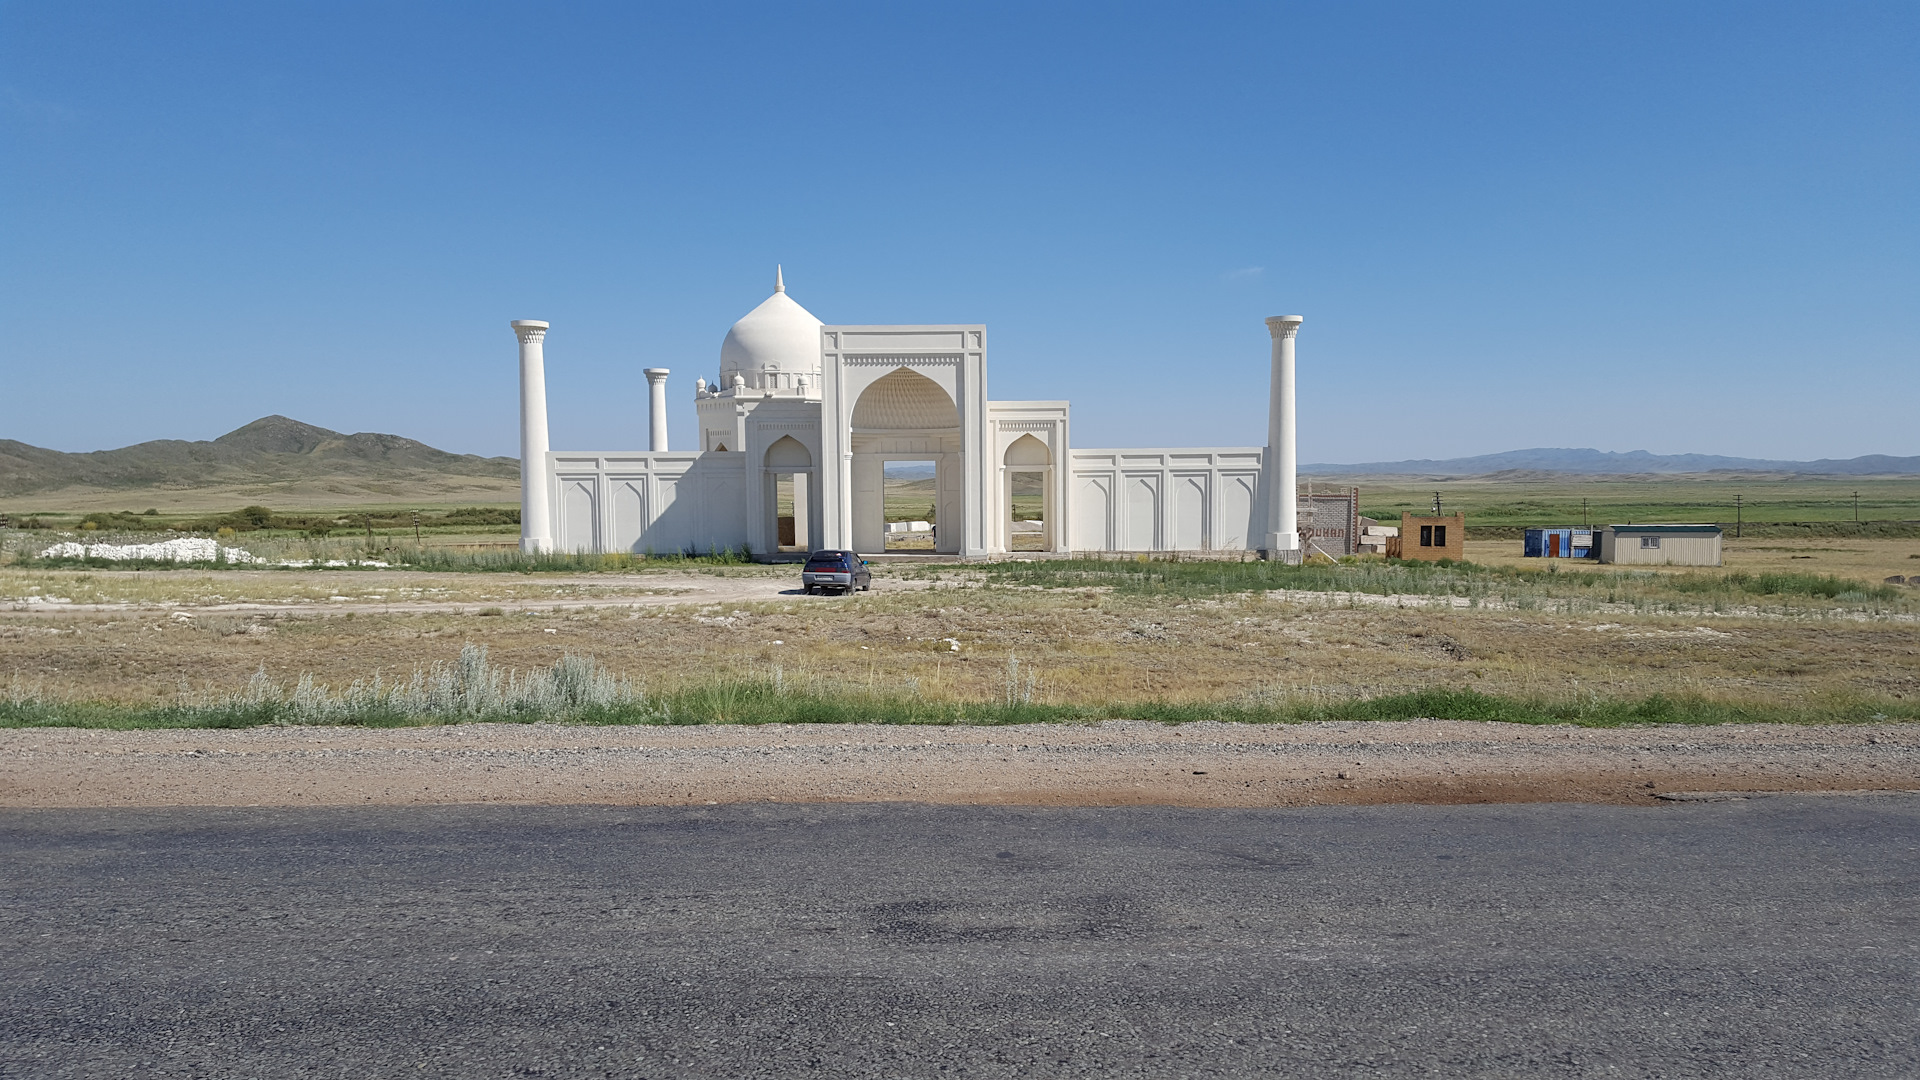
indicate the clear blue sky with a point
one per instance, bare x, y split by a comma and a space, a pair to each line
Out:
1673, 227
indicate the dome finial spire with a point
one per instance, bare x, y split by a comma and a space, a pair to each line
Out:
779, 282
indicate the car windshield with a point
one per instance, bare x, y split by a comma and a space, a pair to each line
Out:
834, 561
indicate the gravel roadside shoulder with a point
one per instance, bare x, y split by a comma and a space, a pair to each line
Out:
1116, 763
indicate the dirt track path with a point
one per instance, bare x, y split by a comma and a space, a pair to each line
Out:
1112, 764
652, 590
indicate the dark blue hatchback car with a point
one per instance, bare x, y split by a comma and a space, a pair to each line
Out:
828, 571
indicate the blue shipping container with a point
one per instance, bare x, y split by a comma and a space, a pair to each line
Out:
1567, 543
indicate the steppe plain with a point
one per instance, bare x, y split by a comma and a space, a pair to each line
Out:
966, 634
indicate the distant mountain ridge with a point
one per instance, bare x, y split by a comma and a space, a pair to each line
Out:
278, 448
1590, 461
272, 448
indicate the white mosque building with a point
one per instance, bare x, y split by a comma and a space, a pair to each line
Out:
816, 412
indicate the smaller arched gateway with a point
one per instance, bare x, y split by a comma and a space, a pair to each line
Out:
798, 427
787, 488
1026, 481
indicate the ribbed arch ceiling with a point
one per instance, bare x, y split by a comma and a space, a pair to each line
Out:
790, 452
905, 400
1027, 450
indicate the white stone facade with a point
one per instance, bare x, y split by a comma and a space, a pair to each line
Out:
1167, 500
817, 410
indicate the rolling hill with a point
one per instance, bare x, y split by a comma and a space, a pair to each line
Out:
272, 453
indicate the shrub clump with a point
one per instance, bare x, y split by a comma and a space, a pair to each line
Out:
469, 689
1825, 586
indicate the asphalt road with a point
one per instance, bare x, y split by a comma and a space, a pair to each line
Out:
1769, 938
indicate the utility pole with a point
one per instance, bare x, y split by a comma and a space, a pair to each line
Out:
1736, 516
1856, 508
416, 528
1436, 504
1586, 515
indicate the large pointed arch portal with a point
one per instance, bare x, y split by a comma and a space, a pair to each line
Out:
905, 393
905, 416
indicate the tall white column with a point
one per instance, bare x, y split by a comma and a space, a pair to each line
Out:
536, 520
1283, 509
657, 408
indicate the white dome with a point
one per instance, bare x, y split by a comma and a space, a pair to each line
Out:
778, 336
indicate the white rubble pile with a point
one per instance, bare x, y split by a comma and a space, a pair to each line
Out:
189, 549
184, 549
1373, 538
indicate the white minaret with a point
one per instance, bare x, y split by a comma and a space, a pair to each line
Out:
657, 408
1283, 508
536, 524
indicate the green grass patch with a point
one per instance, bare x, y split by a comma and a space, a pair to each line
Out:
64, 562
1176, 578
763, 701
522, 562
1170, 576
1825, 586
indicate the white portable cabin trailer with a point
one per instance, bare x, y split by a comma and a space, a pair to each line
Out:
1660, 545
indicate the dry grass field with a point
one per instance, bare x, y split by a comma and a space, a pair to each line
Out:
1566, 499
1798, 626
1864, 559
958, 634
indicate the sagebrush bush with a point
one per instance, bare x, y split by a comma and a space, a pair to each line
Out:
468, 689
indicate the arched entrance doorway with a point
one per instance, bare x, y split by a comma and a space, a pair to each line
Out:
1026, 485
789, 494
905, 416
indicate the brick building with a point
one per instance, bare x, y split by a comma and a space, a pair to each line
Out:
1430, 538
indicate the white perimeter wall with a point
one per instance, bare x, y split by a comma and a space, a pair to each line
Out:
647, 502
1182, 499
1198, 499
